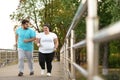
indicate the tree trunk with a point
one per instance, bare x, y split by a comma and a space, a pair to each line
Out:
105, 59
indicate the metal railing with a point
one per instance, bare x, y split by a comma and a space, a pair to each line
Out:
94, 37
8, 56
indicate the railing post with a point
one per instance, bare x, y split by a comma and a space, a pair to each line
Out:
6, 57
61, 55
64, 60
92, 47
67, 63
0, 57
72, 54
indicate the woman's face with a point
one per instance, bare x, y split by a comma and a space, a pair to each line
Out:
45, 29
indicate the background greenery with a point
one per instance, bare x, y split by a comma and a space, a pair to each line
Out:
59, 14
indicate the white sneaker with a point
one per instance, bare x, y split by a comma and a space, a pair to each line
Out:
42, 72
49, 74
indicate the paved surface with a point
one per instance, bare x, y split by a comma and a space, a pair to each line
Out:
11, 72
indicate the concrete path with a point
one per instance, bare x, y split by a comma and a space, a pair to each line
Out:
11, 72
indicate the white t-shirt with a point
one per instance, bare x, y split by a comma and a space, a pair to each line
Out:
47, 42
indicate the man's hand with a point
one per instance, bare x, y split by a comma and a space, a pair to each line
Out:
26, 40
15, 46
29, 40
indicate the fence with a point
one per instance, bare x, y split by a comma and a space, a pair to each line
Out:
8, 56
94, 37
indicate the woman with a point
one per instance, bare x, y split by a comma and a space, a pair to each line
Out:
48, 43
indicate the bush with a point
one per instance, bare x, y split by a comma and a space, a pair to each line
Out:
114, 61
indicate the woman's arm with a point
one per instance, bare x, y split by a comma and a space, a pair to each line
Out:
38, 41
56, 43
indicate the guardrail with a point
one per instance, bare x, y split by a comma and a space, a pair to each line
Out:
94, 37
8, 56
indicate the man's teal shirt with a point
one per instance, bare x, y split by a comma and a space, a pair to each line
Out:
25, 34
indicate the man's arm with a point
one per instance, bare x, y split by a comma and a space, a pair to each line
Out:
33, 37
16, 39
30, 40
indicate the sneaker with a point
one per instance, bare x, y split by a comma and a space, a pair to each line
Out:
48, 74
31, 73
42, 72
20, 74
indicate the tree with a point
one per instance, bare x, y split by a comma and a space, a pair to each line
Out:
29, 10
109, 13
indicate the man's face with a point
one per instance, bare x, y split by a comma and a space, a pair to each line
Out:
26, 25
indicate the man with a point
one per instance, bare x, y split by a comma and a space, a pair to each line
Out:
24, 41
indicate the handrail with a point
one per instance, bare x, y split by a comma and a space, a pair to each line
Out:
79, 44
79, 68
9, 56
83, 71
109, 33
93, 38
82, 7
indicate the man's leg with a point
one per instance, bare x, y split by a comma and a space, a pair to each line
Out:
20, 61
29, 56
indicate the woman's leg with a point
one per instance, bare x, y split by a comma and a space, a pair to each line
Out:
49, 58
41, 58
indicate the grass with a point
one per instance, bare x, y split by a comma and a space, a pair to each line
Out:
113, 74
78, 75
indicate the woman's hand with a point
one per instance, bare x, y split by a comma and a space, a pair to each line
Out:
38, 44
55, 49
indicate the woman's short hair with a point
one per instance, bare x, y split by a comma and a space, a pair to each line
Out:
47, 25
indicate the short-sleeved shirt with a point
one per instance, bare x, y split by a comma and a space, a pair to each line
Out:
25, 34
47, 42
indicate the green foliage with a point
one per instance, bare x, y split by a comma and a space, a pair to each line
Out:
59, 14
112, 76
80, 30
114, 60
108, 11
115, 11
115, 46
35, 47
27, 9
104, 12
